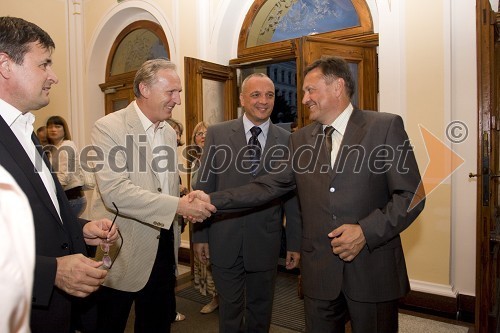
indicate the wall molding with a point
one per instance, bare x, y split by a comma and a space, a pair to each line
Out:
439, 300
433, 288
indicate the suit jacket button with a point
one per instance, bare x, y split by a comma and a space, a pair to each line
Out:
334, 216
159, 189
332, 189
64, 246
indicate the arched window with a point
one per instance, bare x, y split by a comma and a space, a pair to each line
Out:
138, 42
292, 34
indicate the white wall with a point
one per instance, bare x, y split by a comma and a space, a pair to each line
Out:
463, 85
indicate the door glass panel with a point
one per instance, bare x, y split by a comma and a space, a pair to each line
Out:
284, 76
279, 20
119, 104
354, 71
137, 47
213, 101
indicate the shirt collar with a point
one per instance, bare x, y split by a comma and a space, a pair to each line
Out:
12, 115
248, 125
340, 123
146, 123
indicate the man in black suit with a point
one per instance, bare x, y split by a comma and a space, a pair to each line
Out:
243, 248
64, 276
357, 191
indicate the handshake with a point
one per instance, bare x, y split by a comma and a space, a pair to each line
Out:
196, 206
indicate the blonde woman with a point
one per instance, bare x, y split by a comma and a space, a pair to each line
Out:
203, 280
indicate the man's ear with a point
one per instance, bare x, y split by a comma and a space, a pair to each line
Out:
5, 65
144, 89
340, 85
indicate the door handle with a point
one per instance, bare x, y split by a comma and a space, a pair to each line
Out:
475, 175
495, 238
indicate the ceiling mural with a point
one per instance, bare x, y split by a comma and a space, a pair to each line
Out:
286, 19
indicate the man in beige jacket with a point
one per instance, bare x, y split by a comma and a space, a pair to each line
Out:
139, 176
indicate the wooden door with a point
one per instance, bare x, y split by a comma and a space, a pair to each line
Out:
488, 175
208, 84
210, 91
362, 59
117, 99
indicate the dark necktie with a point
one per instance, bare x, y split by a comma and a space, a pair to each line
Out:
255, 148
328, 141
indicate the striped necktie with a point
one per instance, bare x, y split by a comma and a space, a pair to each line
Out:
255, 148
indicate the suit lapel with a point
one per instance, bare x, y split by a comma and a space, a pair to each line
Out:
19, 156
271, 141
316, 138
237, 138
353, 135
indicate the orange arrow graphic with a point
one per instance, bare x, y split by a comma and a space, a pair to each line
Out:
442, 163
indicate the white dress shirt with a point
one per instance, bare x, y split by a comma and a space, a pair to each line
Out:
17, 256
22, 126
339, 124
156, 140
247, 124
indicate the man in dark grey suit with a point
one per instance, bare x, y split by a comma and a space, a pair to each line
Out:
64, 275
243, 247
355, 201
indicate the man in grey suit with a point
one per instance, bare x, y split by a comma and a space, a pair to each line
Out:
355, 191
243, 247
140, 178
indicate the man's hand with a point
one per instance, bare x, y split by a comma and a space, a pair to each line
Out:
347, 241
195, 209
292, 259
78, 275
97, 231
198, 195
202, 252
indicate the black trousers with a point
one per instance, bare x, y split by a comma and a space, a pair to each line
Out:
329, 316
245, 298
153, 303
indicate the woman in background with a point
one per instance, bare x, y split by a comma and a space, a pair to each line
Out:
203, 280
65, 161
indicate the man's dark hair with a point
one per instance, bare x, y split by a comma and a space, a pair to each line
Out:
332, 68
16, 34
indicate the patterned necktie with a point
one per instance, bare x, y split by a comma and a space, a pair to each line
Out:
254, 148
328, 141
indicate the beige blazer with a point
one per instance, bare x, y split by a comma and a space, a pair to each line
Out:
126, 175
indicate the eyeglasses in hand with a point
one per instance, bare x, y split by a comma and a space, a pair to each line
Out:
109, 254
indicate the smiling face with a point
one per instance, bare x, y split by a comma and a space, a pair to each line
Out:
322, 99
159, 98
28, 84
257, 99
